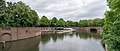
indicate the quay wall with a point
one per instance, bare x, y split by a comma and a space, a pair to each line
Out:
17, 33
22, 45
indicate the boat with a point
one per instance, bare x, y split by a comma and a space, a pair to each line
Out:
65, 30
69, 29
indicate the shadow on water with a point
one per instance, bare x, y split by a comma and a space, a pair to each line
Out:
30, 44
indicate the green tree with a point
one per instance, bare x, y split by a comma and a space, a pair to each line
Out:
54, 22
68, 23
76, 24
17, 15
111, 29
71, 24
91, 23
98, 22
44, 21
83, 23
61, 23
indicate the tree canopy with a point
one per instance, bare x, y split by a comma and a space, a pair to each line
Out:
111, 33
91, 23
44, 21
61, 22
17, 15
54, 22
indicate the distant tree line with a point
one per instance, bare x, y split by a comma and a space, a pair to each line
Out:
91, 23
18, 14
54, 22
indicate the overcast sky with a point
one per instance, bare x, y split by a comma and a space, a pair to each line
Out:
73, 10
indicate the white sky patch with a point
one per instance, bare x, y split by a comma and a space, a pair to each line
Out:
73, 10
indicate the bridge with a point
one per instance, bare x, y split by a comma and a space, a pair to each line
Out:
96, 30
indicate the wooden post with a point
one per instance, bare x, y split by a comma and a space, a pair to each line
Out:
3, 44
106, 47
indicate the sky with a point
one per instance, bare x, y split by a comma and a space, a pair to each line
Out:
73, 10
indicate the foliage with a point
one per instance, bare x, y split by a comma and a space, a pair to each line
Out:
71, 24
44, 21
17, 15
53, 22
61, 23
111, 33
91, 23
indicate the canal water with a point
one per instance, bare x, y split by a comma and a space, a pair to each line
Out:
57, 42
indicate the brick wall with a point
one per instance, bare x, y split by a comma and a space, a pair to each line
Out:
15, 33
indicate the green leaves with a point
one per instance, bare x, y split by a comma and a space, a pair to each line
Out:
54, 22
44, 21
91, 23
111, 33
61, 22
17, 15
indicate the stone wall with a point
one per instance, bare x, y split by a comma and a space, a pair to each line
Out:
22, 45
16, 33
87, 29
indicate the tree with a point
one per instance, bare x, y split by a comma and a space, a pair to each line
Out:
44, 21
61, 23
17, 15
83, 23
70, 24
91, 23
111, 29
76, 24
54, 22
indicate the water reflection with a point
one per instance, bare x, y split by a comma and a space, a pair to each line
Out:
71, 42
30, 44
56, 37
74, 41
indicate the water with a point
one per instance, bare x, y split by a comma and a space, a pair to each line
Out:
58, 42
71, 42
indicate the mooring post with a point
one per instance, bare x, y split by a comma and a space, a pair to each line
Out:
3, 44
106, 47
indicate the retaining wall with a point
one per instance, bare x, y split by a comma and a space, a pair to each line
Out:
16, 33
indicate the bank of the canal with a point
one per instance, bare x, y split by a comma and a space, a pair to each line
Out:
18, 33
73, 41
29, 44
51, 38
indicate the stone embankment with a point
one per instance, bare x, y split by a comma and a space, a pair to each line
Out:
17, 33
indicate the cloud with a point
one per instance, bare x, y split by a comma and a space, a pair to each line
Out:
74, 10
